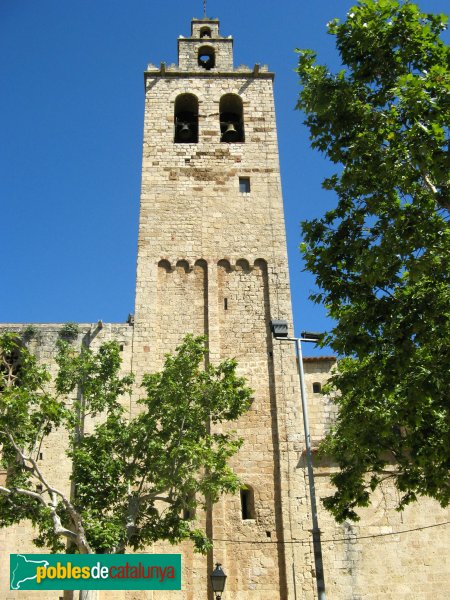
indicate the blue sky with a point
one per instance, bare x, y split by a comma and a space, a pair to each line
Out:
71, 117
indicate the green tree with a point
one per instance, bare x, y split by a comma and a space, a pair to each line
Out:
381, 258
134, 479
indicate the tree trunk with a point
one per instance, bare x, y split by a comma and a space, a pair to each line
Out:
88, 595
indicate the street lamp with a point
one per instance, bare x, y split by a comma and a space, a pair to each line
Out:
218, 579
279, 330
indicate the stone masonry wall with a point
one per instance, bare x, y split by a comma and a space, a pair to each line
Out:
54, 464
385, 555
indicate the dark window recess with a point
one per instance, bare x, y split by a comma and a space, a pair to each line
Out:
39, 487
247, 504
317, 387
188, 511
268, 534
186, 119
225, 304
187, 515
206, 57
121, 347
205, 32
244, 185
231, 119
41, 456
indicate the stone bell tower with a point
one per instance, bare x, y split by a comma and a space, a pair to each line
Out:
212, 260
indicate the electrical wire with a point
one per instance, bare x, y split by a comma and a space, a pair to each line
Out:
346, 539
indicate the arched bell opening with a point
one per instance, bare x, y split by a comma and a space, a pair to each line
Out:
231, 119
186, 119
205, 32
206, 57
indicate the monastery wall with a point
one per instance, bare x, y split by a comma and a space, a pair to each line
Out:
386, 554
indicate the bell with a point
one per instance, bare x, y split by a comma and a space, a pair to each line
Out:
184, 132
230, 134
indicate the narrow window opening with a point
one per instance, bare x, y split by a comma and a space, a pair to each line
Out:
205, 32
39, 487
206, 57
121, 347
231, 119
225, 303
41, 456
186, 119
317, 387
244, 185
188, 515
268, 534
188, 511
247, 504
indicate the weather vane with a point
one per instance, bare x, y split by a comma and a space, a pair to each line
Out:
204, 9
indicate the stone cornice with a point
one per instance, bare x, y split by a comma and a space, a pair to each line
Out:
164, 71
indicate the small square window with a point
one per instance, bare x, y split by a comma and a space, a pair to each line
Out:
244, 185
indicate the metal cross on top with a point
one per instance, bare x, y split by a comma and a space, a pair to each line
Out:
204, 8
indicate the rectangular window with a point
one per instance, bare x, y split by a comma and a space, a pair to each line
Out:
244, 185
247, 504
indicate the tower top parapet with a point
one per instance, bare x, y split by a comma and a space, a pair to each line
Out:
206, 52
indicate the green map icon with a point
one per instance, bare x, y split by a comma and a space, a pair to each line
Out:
23, 569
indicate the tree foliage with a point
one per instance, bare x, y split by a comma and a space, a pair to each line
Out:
381, 257
135, 479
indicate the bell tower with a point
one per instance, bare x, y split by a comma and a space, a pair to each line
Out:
212, 261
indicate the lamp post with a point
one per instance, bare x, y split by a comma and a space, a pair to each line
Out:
218, 579
279, 330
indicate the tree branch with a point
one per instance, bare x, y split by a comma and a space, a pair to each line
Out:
58, 529
79, 535
10, 491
